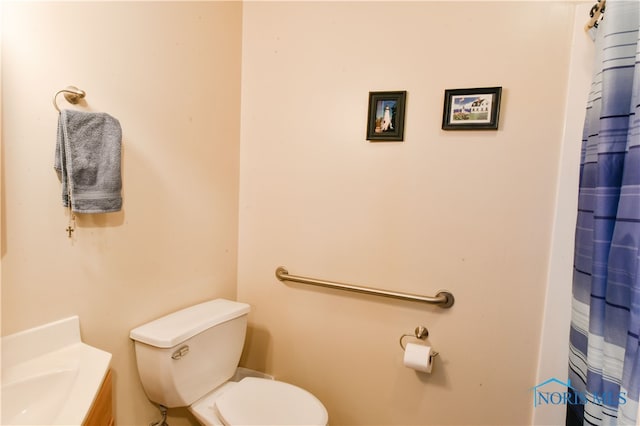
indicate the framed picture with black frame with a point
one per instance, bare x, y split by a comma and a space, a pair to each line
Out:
471, 109
385, 120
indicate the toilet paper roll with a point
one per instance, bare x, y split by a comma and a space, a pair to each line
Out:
418, 357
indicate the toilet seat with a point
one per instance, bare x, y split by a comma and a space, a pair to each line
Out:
255, 401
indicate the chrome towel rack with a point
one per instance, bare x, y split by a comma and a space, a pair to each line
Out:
71, 93
443, 298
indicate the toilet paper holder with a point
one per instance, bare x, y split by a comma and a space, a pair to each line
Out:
421, 333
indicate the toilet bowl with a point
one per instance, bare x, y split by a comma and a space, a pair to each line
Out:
255, 401
187, 358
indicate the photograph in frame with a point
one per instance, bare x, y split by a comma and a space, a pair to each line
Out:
471, 109
385, 120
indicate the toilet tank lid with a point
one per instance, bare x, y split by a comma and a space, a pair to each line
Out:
175, 328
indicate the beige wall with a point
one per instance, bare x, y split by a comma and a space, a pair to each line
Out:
554, 347
170, 73
468, 211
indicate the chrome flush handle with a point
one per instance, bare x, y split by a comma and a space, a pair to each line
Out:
179, 353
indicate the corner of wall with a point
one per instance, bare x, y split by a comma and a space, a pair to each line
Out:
554, 340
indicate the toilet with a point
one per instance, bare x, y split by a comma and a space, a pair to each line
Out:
187, 358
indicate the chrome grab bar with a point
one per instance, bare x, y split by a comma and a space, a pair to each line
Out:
444, 299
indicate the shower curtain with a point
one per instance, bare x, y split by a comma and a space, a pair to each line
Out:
604, 360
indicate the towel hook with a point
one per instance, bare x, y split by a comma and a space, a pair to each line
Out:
71, 93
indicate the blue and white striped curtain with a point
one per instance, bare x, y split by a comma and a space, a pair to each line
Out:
604, 356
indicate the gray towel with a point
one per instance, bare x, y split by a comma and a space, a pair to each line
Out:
88, 150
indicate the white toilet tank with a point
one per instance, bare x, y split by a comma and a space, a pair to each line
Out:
186, 354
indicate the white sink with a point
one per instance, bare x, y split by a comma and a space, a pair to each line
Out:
49, 377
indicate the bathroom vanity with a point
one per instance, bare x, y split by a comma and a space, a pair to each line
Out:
101, 412
50, 377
